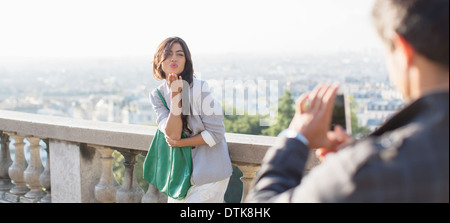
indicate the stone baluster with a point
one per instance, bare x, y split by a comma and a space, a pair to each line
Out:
45, 177
106, 189
248, 173
153, 195
16, 170
130, 192
5, 162
33, 173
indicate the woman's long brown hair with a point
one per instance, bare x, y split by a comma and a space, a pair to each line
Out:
162, 53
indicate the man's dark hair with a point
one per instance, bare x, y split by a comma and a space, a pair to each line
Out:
423, 23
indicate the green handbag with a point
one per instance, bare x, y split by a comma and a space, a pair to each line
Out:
168, 168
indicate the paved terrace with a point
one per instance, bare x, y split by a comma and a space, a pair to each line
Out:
79, 164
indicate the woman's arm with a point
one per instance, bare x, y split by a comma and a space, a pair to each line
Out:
191, 141
174, 125
162, 113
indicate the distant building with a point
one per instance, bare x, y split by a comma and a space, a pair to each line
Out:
376, 112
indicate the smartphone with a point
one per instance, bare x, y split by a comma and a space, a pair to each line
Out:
341, 113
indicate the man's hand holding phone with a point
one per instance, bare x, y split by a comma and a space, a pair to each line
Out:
340, 127
313, 116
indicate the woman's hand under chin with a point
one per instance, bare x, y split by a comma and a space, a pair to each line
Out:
177, 82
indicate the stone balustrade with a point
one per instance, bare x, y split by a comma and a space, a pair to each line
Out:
79, 166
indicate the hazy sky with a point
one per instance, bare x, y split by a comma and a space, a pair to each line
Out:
132, 27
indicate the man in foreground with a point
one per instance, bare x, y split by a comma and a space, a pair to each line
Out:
407, 158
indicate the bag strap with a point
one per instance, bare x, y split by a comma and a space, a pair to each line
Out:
162, 99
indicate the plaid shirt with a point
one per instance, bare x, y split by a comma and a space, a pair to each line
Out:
405, 160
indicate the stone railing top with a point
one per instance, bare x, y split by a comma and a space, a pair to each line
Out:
242, 148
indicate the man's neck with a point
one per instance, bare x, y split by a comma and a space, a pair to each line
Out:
428, 78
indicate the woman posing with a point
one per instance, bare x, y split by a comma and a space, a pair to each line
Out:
206, 132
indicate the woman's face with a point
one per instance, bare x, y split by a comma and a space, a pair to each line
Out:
174, 63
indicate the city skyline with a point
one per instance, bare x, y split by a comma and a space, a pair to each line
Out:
117, 89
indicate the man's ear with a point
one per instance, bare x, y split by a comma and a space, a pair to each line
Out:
404, 50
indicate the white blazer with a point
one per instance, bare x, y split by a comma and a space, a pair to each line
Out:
211, 162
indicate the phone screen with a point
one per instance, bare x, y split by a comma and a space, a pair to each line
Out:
339, 112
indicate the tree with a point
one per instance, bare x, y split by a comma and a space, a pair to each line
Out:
244, 124
286, 112
250, 124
